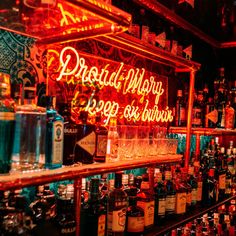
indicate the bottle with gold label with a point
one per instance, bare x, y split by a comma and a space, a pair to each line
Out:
85, 144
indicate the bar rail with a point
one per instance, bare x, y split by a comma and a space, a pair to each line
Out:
20, 180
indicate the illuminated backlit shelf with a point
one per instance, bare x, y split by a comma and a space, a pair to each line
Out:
62, 20
134, 45
21, 180
203, 131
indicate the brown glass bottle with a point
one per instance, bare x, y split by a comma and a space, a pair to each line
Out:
180, 110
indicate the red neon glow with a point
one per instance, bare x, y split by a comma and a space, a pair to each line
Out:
112, 89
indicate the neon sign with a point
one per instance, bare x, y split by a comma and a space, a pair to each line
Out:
132, 94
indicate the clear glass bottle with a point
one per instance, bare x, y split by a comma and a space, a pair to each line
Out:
112, 141
117, 208
7, 122
29, 140
54, 136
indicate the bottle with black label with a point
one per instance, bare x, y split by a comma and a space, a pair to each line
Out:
101, 141
70, 134
211, 114
85, 144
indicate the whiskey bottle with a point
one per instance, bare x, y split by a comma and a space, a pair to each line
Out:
145, 200
135, 215
193, 182
93, 218
29, 139
54, 136
211, 114
170, 194
160, 199
112, 141
117, 208
7, 122
180, 110
85, 144
70, 134
101, 141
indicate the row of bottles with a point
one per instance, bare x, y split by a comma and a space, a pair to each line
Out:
125, 205
208, 111
221, 221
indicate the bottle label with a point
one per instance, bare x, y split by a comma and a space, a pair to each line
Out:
88, 143
229, 117
189, 198
135, 224
170, 203
161, 39
116, 220
228, 186
68, 230
101, 225
197, 113
7, 116
180, 203
194, 195
148, 208
199, 191
101, 145
212, 116
112, 148
222, 179
161, 206
57, 150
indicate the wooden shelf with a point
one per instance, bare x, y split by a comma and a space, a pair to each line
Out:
20, 180
203, 131
177, 221
134, 45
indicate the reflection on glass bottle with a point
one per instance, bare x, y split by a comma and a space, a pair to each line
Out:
54, 136
29, 140
7, 120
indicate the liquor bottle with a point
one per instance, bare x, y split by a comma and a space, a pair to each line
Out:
170, 194
135, 215
160, 199
181, 196
180, 110
7, 121
146, 202
101, 141
112, 141
144, 28
93, 214
197, 110
229, 116
29, 139
54, 136
228, 179
193, 182
85, 144
117, 207
199, 184
209, 189
211, 114
221, 174
70, 134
